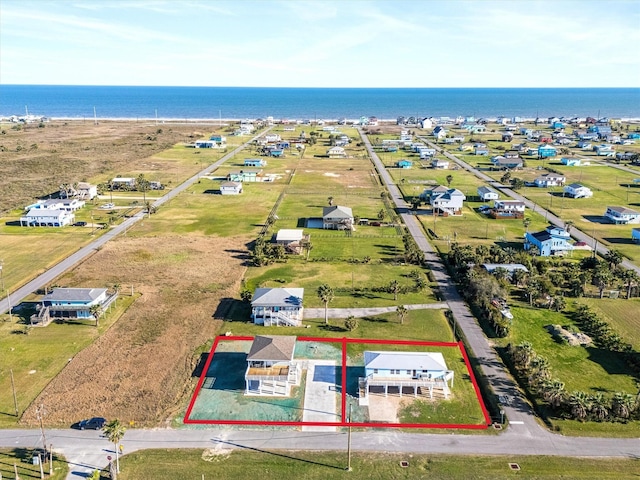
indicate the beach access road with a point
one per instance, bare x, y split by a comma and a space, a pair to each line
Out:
17, 296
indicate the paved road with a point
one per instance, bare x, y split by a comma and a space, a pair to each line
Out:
516, 409
366, 312
17, 296
554, 219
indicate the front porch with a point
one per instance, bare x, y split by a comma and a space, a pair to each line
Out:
395, 386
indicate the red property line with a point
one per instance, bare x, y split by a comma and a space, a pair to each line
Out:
343, 423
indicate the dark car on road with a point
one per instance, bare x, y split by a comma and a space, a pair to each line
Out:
95, 423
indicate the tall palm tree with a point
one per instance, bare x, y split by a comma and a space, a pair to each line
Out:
603, 277
568, 224
526, 221
401, 312
95, 311
394, 287
449, 180
631, 279
114, 431
326, 294
614, 258
142, 185
330, 200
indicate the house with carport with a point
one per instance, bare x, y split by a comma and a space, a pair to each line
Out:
45, 217
507, 209
277, 307
396, 372
271, 368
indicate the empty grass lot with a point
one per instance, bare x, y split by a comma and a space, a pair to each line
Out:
22, 458
249, 463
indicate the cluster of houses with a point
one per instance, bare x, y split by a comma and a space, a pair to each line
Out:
272, 370
58, 212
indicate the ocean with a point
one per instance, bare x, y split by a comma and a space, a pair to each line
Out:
77, 102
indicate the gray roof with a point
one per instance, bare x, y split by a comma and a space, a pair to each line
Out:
337, 211
482, 190
575, 186
405, 360
275, 297
86, 295
273, 347
624, 210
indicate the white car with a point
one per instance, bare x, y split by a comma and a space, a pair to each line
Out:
107, 206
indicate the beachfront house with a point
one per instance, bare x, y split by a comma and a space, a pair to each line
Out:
550, 180
577, 190
551, 241
547, 151
277, 307
396, 372
487, 193
231, 188
507, 209
271, 368
337, 217
448, 202
292, 240
44, 217
123, 183
571, 161
622, 215
86, 191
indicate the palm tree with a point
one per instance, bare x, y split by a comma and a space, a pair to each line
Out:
558, 303
568, 224
449, 180
631, 279
95, 311
523, 354
603, 278
394, 287
553, 392
351, 323
142, 184
599, 407
580, 404
114, 431
326, 294
623, 404
401, 311
614, 258
526, 222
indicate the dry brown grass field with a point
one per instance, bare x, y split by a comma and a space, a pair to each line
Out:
35, 161
141, 368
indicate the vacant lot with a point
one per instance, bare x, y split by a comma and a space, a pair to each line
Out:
141, 367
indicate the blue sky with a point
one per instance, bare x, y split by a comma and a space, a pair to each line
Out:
298, 43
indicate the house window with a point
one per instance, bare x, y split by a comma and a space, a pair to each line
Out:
375, 370
408, 372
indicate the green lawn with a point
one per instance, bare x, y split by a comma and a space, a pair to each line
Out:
37, 357
249, 463
622, 315
22, 458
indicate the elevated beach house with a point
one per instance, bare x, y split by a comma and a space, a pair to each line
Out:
291, 239
336, 152
571, 161
551, 241
44, 217
271, 369
246, 175
77, 303
398, 372
507, 163
550, 180
404, 164
449, 202
510, 209
546, 151
231, 188
440, 164
487, 193
577, 190
277, 306
337, 217
255, 162
622, 215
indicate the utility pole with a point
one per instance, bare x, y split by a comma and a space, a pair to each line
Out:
349, 441
13, 388
40, 415
2, 264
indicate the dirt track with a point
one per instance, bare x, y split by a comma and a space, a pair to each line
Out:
141, 368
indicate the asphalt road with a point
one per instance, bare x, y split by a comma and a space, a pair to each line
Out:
577, 234
17, 296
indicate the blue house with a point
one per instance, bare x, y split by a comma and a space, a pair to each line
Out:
546, 151
421, 372
76, 302
404, 164
552, 241
633, 135
255, 162
276, 152
571, 161
557, 125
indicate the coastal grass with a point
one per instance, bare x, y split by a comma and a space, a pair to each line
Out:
622, 315
350, 278
419, 325
36, 355
23, 459
248, 463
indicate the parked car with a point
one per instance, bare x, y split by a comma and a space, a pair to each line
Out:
95, 423
484, 208
106, 206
